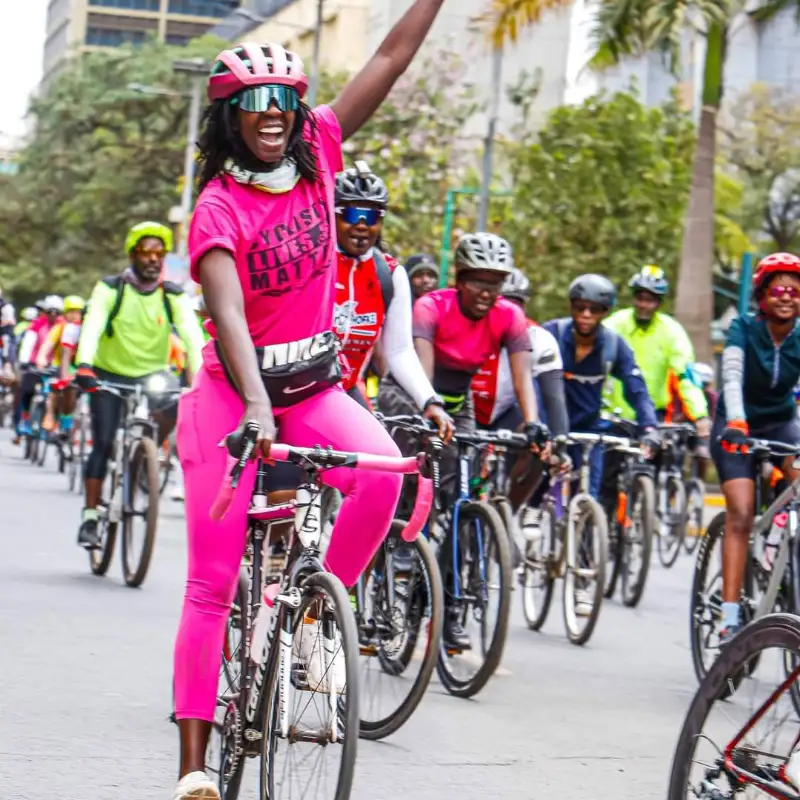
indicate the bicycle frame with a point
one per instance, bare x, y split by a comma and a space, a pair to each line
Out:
303, 559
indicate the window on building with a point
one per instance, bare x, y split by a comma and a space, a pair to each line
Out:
138, 5
203, 8
113, 37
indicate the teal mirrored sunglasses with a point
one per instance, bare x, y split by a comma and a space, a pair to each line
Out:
260, 98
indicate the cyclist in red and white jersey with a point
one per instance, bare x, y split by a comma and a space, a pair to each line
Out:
373, 296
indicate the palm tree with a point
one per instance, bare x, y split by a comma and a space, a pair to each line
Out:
631, 28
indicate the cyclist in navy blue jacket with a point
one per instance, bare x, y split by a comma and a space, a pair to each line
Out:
590, 354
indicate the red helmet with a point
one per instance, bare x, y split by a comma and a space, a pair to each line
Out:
250, 64
772, 265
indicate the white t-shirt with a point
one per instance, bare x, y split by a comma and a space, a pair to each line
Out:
546, 357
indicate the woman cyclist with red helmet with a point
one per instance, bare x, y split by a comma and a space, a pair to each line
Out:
760, 368
262, 244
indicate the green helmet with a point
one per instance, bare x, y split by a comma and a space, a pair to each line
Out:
145, 229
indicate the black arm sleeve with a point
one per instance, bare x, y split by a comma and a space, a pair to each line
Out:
551, 385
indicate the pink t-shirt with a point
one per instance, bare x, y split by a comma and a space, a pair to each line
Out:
284, 245
462, 345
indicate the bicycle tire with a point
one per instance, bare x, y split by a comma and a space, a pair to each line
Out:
44, 445
503, 509
34, 436
144, 457
695, 506
380, 729
494, 652
667, 555
735, 660
100, 559
643, 487
533, 619
229, 790
82, 446
614, 561
714, 534
590, 508
344, 618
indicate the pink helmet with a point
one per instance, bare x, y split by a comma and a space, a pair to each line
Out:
250, 64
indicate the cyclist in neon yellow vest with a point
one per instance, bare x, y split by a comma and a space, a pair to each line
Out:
662, 349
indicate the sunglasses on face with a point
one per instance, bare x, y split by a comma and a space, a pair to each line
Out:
352, 215
779, 292
477, 285
151, 252
580, 307
260, 98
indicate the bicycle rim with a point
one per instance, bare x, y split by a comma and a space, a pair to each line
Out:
399, 632
485, 582
584, 581
756, 728
695, 507
335, 743
143, 468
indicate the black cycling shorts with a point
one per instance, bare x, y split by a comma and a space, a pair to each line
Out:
731, 466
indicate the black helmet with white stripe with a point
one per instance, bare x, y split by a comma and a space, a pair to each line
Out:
517, 286
360, 185
484, 251
594, 289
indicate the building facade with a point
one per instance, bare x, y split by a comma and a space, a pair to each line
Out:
89, 24
344, 38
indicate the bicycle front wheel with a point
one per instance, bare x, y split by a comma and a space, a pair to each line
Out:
484, 572
584, 578
100, 558
695, 508
143, 468
762, 724
400, 632
672, 526
637, 539
539, 569
314, 756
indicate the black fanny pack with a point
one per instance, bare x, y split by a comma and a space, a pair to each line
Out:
294, 371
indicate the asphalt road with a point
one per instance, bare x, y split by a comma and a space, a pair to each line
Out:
86, 674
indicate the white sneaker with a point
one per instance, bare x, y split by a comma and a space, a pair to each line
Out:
196, 785
584, 602
530, 522
311, 653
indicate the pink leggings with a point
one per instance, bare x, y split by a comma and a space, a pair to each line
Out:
206, 414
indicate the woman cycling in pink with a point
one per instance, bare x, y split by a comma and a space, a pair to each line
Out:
262, 244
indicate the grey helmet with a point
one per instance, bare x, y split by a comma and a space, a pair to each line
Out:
360, 184
517, 286
594, 289
484, 251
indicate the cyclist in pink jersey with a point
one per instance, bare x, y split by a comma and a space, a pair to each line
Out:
455, 332
262, 245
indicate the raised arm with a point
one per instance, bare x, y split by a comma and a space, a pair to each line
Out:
361, 97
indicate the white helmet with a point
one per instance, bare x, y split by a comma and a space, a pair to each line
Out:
484, 251
30, 313
53, 302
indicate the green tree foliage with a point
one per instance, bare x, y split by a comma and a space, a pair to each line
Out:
416, 143
103, 157
760, 148
603, 189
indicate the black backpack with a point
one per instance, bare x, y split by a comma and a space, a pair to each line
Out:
115, 282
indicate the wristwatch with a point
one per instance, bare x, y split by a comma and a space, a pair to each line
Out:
433, 400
